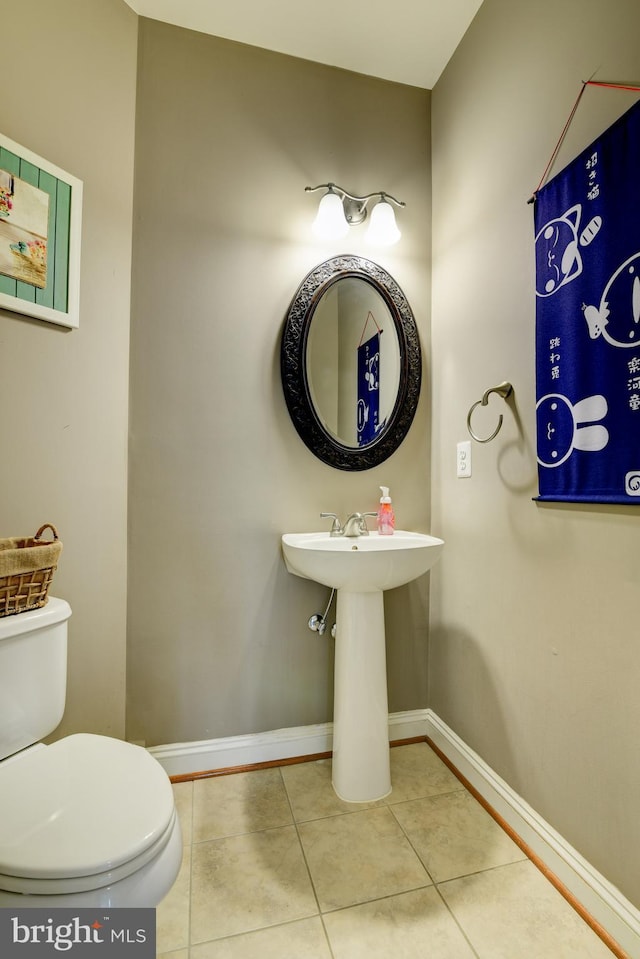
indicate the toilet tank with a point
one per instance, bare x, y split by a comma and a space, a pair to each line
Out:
33, 674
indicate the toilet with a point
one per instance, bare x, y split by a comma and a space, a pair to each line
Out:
88, 820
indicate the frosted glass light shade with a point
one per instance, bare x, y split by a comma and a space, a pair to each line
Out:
383, 229
330, 222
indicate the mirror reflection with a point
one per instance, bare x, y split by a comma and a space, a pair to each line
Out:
353, 362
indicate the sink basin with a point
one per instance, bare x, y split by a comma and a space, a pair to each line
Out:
360, 564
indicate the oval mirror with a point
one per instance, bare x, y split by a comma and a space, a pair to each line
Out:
351, 363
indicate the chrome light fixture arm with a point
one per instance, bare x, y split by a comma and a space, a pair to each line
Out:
355, 207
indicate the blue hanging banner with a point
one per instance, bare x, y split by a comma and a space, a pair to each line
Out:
587, 228
368, 410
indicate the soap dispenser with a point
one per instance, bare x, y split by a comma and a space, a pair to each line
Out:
386, 518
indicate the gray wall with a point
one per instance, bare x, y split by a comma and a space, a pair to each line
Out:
64, 394
228, 136
534, 654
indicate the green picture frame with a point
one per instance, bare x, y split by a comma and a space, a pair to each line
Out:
40, 237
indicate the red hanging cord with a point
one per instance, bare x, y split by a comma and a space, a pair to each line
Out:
585, 84
614, 86
369, 314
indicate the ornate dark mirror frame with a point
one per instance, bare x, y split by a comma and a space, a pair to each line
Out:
293, 364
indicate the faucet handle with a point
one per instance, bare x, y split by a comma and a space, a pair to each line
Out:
336, 526
364, 521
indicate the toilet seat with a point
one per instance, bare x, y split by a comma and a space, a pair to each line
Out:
80, 814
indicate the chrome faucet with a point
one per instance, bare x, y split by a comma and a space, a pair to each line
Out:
356, 524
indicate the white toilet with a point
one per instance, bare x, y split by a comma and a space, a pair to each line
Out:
89, 820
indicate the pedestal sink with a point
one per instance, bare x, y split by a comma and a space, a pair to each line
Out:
360, 568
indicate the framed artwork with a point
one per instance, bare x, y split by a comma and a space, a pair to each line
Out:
40, 229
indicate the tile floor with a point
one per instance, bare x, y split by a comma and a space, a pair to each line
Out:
277, 867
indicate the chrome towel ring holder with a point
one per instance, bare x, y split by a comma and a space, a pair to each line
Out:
504, 390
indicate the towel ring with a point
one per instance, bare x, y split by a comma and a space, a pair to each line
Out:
504, 390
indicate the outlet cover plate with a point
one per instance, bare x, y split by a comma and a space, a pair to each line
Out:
463, 459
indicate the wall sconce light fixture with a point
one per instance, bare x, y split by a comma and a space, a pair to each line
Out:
338, 210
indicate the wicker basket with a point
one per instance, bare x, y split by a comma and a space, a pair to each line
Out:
26, 570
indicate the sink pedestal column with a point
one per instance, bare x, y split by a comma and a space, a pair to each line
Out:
361, 770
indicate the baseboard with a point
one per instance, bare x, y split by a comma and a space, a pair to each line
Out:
180, 759
601, 900
598, 897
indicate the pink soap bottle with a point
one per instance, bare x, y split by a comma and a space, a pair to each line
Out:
386, 518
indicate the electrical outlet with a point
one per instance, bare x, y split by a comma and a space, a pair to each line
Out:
464, 459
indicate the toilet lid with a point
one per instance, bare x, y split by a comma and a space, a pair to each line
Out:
82, 806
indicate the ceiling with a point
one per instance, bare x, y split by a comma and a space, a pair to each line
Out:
407, 41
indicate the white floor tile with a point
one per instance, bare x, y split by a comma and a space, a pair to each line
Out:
276, 866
